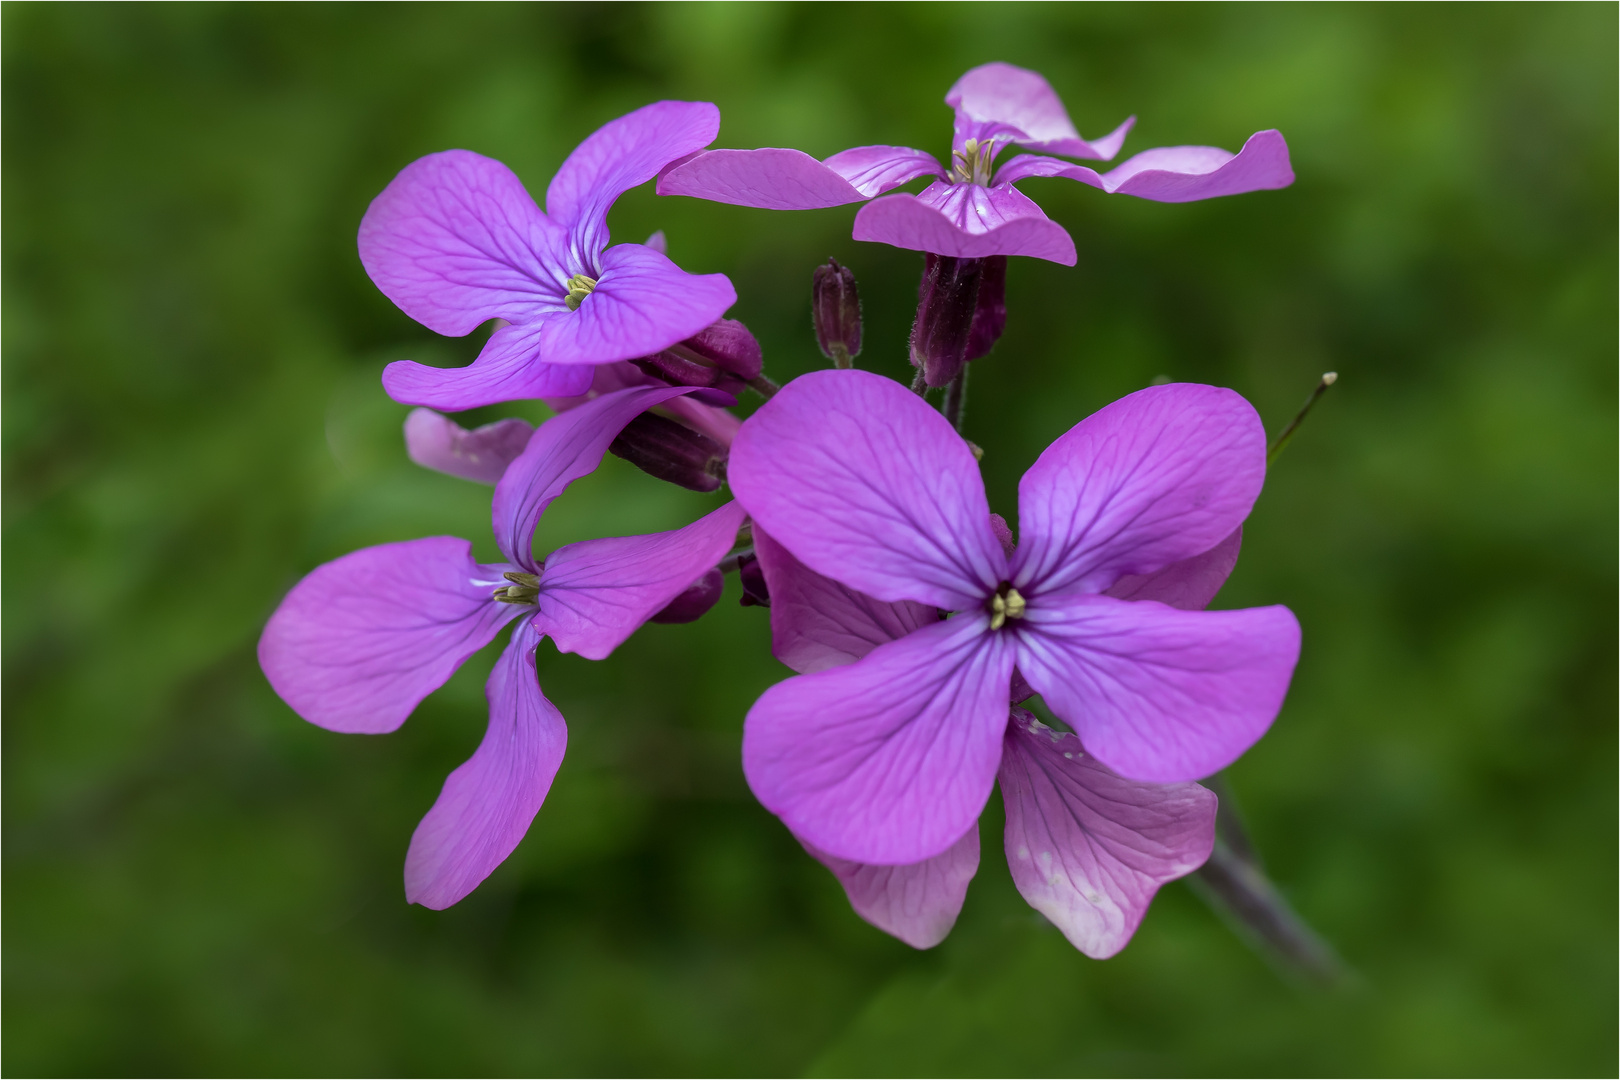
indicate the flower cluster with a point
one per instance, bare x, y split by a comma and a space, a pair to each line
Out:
920, 629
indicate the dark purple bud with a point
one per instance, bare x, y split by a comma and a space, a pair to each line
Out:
835, 308
727, 345
752, 577
946, 303
990, 313
703, 594
677, 370
670, 451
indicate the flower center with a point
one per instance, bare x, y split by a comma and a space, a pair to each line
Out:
971, 164
525, 588
579, 287
1006, 604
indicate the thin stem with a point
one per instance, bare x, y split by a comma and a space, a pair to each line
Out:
956, 399
1242, 893
1229, 825
1293, 425
763, 386
918, 386
840, 356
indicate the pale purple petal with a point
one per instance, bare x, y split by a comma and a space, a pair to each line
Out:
508, 369
618, 156
771, 178
658, 242
1189, 584
719, 424
816, 623
563, 449
1159, 694
1000, 99
437, 442
642, 303
966, 221
361, 640
867, 485
487, 804
1178, 174
917, 903
596, 593
890, 759
1025, 166
455, 240
872, 170
1156, 477
1088, 849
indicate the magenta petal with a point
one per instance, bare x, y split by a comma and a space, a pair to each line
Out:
487, 804
1156, 477
1189, 584
507, 369
816, 623
917, 903
642, 303
362, 639
596, 593
439, 443
455, 240
867, 485
1187, 173
890, 759
1159, 694
1025, 166
1088, 849
771, 178
872, 170
620, 155
966, 221
999, 98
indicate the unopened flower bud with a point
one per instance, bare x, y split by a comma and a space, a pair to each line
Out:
692, 604
729, 346
670, 451
947, 301
990, 312
752, 577
835, 308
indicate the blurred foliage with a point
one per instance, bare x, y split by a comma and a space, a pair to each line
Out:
198, 882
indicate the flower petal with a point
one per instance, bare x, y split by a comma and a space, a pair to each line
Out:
771, 178
866, 484
507, 369
1156, 477
1158, 694
362, 639
643, 303
618, 156
455, 240
816, 623
999, 98
1189, 584
596, 593
966, 221
917, 903
1175, 174
872, 170
888, 760
1088, 849
487, 804
439, 443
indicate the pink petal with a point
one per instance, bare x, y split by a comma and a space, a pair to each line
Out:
439, 443
1174, 173
1156, 477
620, 155
487, 804
872, 170
966, 221
1158, 694
816, 623
918, 903
771, 178
596, 593
1189, 584
455, 240
890, 759
362, 639
1002, 99
507, 369
867, 485
1087, 848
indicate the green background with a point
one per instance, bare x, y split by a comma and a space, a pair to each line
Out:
196, 881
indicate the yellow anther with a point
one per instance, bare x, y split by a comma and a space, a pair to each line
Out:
971, 164
1006, 604
579, 287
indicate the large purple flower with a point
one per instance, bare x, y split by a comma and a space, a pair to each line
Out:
360, 641
889, 760
456, 241
972, 210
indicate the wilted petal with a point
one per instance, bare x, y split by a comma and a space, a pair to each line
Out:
890, 759
1002, 99
596, 593
361, 640
487, 804
1159, 694
507, 369
966, 221
1175, 173
1156, 477
771, 178
1189, 584
872, 170
439, 443
1088, 849
917, 903
867, 485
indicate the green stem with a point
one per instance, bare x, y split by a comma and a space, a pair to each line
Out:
956, 399
1293, 425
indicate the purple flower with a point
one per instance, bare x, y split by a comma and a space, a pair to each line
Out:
456, 241
972, 209
360, 641
890, 759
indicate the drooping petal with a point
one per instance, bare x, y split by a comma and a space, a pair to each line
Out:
1088, 849
1175, 174
867, 485
361, 640
1156, 477
437, 442
618, 156
507, 369
596, 593
816, 623
771, 178
1158, 694
888, 760
966, 221
1189, 584
455, 240
643, 303
872, 170
1002, 99
487, 804
918, 903
561, 450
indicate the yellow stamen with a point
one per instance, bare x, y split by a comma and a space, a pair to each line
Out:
1006, 604
579, 287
